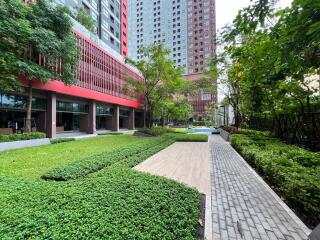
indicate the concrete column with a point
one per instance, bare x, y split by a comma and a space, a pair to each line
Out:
92, 118
131, 117
51, 126
115, 118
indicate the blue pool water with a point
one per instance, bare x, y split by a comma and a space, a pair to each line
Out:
203, 130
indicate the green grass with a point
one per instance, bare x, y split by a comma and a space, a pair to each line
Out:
115, 202
32, 162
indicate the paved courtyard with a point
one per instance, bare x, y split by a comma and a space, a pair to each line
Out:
239, 204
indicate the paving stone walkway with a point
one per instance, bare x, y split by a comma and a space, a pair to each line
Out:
243, 205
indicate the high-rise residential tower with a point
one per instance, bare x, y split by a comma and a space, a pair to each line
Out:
186, 27
111, 17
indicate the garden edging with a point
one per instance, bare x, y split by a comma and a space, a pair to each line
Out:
224, 134
23, 144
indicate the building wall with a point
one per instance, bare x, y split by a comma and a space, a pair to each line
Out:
186, 27
101, 76
108, 16
124, 28
201, 34
161, 21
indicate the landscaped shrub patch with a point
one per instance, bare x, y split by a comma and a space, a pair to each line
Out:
94, 163
110, 133
189, 137
154, 131
61, 140
118, 203
20, 137
293, 171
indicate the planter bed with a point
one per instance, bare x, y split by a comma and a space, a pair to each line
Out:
23, 144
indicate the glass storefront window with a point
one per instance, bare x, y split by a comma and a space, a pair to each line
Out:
72, 107
38, 103
104, 111
20, 102
124, 113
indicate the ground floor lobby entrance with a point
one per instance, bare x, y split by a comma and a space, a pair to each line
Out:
57, 114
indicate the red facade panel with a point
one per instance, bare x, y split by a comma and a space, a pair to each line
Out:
124, 27
100, 76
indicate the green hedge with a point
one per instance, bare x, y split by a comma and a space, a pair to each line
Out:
20, 137
110, 133
94, 163
61, 140
293, 171
180, 137
117, 203
154, 131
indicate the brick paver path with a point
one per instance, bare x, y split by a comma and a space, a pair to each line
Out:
243, 206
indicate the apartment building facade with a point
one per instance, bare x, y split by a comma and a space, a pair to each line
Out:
97, 102
187, 28
111, 18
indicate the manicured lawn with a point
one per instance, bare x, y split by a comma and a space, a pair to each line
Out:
105, 200
32, 162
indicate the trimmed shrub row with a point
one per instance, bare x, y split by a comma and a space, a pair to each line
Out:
61, 140
189, 137
155, 131
23, 136
295, 172
96, 162
138, 158
110, 133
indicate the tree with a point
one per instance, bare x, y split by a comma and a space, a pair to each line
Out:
161, 80
31, 33
174, 109
267, 57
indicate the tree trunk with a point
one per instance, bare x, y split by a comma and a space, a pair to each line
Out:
145, 117
28, 126
150, 118
163, 121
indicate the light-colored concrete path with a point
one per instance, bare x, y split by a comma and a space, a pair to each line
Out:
186, 163
243, 205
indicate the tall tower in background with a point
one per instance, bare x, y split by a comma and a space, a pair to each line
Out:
201, 34
187, 28
111, 18
159, 21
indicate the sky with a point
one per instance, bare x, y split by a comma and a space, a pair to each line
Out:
228, 9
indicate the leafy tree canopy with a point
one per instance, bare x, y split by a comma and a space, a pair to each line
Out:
34, 33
